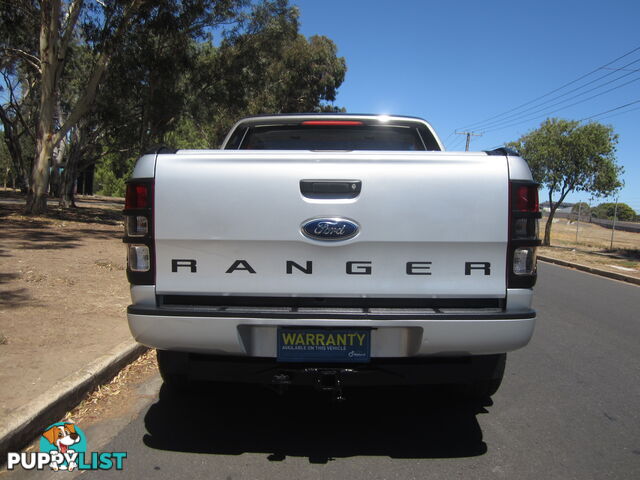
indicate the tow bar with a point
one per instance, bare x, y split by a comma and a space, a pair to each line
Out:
328, 381
324, 379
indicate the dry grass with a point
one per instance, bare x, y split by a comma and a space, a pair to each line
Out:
591, 237
113, 397
593, 246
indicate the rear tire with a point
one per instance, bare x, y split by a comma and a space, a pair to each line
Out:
485, 388
174, 369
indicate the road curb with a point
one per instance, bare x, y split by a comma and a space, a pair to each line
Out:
596, 271
28, 422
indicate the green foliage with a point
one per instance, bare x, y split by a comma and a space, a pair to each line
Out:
166, 82
110, 178
565, 156
607, 211
166, 88
264, 66
189, 134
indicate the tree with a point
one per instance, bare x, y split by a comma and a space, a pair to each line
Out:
622, 212
565, 156
108, 80
102, 26
18, 86
5, 163
16, 115
264, 66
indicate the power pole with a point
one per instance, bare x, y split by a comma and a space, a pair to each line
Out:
578, 222
469, 135
613, 227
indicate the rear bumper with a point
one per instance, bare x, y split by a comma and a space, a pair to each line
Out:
380, 372
254, 334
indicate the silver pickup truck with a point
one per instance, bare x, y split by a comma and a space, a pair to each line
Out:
332, 250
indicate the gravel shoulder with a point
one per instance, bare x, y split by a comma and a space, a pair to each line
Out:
63, 296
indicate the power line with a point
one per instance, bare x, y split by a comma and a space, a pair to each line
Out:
501, 127
456, 142
552, 91
522, 114
612, 110
620, 113
622, 69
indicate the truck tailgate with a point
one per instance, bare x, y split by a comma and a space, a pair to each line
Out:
431, 224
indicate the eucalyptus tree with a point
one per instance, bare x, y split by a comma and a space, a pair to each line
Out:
101, 27
567, 156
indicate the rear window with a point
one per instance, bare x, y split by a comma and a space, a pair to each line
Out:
324, 137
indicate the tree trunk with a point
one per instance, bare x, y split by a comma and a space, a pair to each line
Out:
552, 211
547, 229
49, 28
37, 198
68, 182
67, 198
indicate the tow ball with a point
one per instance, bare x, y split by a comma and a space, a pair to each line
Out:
281, 382
329, 380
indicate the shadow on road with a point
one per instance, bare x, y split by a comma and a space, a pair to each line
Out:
303, 423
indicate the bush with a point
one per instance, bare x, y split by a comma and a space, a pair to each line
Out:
107, 182
606, 210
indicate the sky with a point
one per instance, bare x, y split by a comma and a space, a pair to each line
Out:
459, 64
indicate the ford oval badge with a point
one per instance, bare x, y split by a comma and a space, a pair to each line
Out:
330, 229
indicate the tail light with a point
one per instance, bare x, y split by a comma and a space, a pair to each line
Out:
138, 232
524, 218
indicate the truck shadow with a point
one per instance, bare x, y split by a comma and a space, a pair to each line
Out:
407, 423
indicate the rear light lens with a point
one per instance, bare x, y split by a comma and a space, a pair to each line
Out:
524, 228
524, 217
136, 226
138, 232
526, 197
138, 196
139, 258
521, 228
524, 261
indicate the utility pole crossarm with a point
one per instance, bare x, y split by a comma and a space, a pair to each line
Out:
469, 135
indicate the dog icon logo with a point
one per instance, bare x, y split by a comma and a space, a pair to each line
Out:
63, 446
58, 440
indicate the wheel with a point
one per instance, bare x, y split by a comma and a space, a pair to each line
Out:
480, 389
174, 369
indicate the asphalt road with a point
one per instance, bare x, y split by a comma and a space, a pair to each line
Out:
569, 408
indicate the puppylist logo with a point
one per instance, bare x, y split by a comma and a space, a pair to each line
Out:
63, 446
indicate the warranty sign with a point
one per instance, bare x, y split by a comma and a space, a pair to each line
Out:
328, 345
